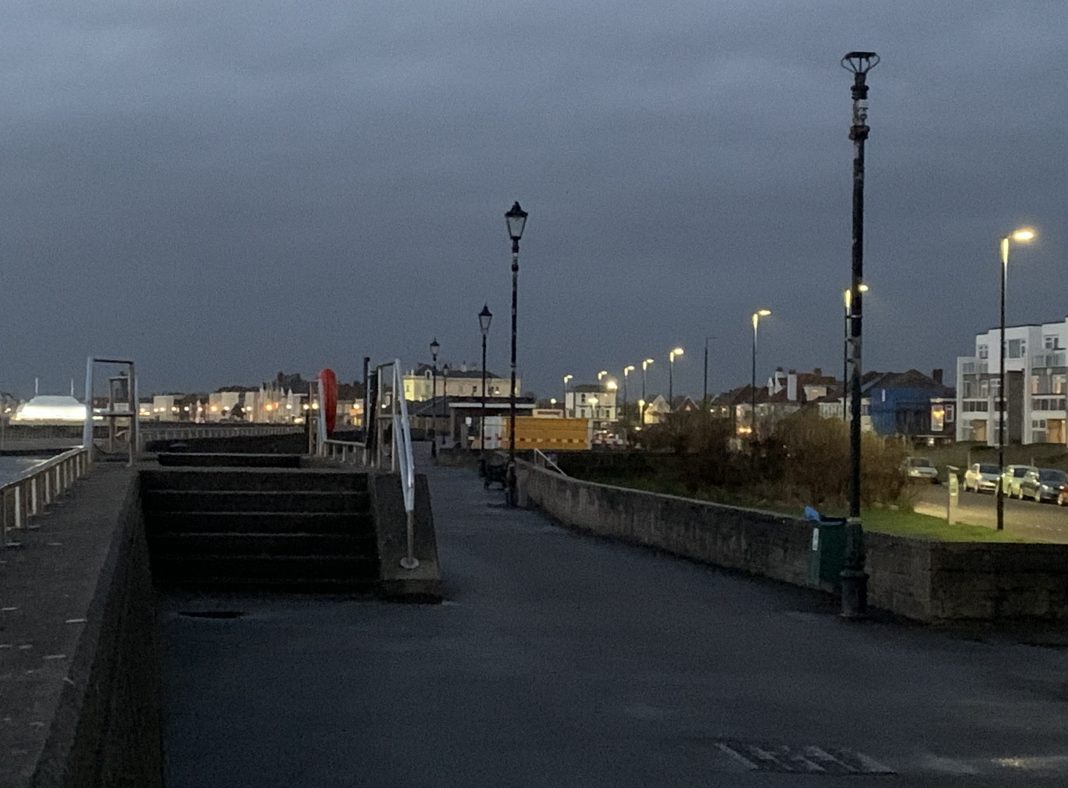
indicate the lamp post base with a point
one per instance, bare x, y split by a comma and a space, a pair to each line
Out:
854, 578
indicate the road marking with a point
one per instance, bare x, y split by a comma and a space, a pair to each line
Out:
805, 759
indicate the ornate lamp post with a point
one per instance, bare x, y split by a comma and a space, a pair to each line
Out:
1023, 235
485, 317
854, 578
672, 354
516, 219
641, 413
434, 348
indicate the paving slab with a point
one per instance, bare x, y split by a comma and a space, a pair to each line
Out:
564, 660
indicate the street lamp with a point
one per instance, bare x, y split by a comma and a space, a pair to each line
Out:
626, 371
854, 578
601, 375
566, 379
847, 300
752, 387
516, 219
1023, 235
704, 398
434, 348
485, 317
641, 410
671, 376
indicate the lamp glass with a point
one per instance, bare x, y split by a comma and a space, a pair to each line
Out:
517, 221
485, 317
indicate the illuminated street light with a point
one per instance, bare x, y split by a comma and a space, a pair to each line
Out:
752, 387
1022, 235
626, 371
641, 411
672, 355
566, 379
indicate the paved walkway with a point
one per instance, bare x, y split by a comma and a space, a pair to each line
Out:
562, 660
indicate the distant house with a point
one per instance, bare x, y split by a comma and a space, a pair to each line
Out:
655, 410
426, 382
902, 402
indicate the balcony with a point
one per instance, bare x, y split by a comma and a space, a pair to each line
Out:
1049, 358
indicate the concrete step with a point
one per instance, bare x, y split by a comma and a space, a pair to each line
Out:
261, 545
348, 586
254, 569
210, 459
252, 501
359, 524
275, 480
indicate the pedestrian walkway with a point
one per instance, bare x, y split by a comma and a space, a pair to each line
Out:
563, 660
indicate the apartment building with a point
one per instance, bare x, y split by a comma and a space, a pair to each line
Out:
1035, 373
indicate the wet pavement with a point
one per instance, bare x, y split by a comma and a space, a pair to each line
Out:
564, 660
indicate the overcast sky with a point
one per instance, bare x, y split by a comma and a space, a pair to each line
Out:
225, 190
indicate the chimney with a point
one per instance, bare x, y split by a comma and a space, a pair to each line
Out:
936, 375
818, 372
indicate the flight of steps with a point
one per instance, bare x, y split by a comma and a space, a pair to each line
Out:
253, 528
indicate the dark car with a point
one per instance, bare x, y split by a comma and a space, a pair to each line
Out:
1043, 484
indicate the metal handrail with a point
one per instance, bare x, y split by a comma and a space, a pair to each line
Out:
402, 449
37, 487
542, 460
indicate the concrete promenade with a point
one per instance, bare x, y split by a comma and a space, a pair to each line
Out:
562, 660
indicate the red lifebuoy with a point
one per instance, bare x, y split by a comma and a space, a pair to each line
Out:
328, 385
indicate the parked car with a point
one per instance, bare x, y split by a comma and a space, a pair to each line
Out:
921, 469
1011, 478
1043, 484
982, 477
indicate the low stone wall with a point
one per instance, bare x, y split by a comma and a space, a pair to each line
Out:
915, 578
79, 623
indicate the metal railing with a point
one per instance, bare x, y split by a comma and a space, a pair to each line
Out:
543, 460
149, 434
390, 445
37, 487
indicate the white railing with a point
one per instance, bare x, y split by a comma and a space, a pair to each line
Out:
392, 445
543, 460
36, 488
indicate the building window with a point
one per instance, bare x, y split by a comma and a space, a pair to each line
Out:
1017, 347
984, 352
951, 413
984, 388
1057, 384
938, 418
1051, 342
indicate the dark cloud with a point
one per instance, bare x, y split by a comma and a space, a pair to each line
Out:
222, 190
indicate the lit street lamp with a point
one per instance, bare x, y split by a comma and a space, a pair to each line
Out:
672, 354
485, 317
566, 379
641, 410
752, 387
847, 300
516, 219
1023, 235
434, 348
626, 371
854, 578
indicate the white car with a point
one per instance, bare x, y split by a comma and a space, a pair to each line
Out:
982, 477
921, 469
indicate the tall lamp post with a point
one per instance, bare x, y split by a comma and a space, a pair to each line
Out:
567, 378
516, 219
672, 354
1023, 235
626, 371
752, 385
847, 300
704, 397
854, 578
485, 317
641, 411
434, 348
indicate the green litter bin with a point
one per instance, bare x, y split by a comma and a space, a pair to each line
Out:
827, 552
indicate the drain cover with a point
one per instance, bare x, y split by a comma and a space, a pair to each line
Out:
211, 613
761, 757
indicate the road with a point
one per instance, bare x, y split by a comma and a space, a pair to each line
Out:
564, 660
1038, 522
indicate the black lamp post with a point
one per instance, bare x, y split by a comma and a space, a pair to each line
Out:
641, 414
672, 354
566, 379
485, 317
847, 298
434, 348
516, 219
626, 371
854, 578
752, 384
1023, 235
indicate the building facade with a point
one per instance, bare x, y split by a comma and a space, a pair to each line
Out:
1035, 371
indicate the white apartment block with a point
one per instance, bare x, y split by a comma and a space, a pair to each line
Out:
592, 401
1035, 371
